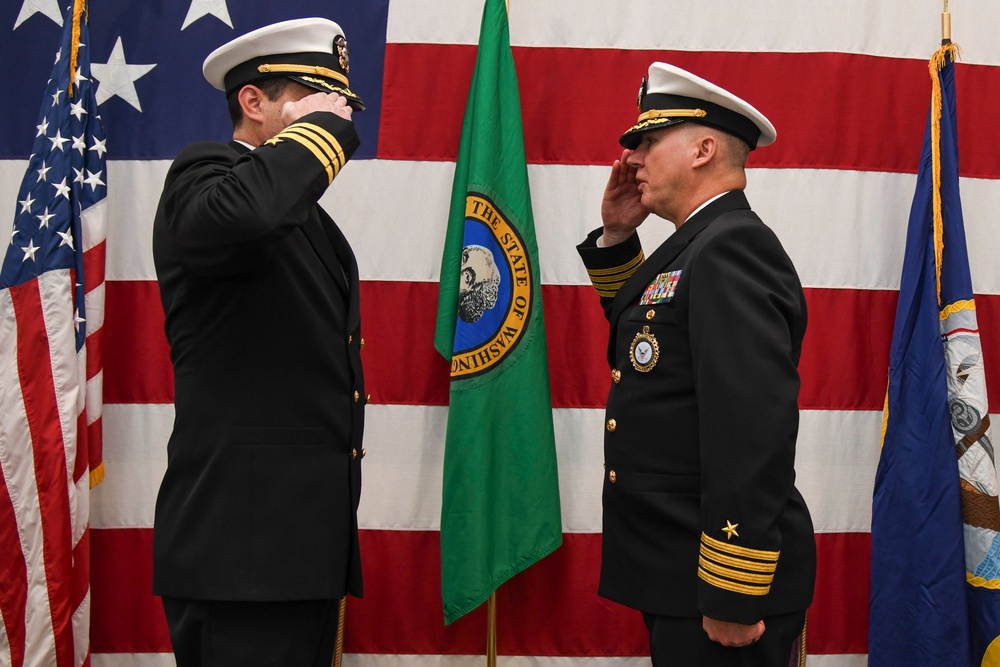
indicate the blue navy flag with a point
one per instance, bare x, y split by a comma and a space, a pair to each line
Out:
51, 312
935, 516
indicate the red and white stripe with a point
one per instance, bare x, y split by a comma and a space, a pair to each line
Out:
51, 399
847, 87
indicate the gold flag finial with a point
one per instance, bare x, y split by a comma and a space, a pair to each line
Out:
945, 25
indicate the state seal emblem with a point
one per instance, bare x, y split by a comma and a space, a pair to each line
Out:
495, 290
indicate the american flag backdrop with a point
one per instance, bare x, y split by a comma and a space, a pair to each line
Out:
846, 85
51, 315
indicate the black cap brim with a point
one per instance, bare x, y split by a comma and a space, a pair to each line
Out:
326, 86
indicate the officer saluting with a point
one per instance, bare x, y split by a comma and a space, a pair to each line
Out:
704, 530
255, 537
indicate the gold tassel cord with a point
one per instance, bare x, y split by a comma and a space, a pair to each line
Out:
885, 419
338, 651
79, 7
935, 66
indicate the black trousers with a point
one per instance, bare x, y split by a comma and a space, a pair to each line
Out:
682, 642
211, 633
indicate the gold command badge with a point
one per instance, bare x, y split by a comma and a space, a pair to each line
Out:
645, 351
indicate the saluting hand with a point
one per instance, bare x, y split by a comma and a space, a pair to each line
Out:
332, 102
621, 209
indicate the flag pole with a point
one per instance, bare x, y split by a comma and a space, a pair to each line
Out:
339, 650
945, 25
491, 631
491, 606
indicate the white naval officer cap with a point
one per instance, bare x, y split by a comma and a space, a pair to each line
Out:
310, 51
671, 95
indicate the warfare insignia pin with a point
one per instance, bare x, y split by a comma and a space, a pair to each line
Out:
661, 289
645, 351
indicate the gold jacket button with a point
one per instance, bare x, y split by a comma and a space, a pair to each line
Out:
612, 425
650, 314
357, 397
612, 477
362, 343
368, 398
363, 452
354, 454
350, 339
616, 375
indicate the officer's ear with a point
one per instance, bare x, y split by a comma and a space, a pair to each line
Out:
706, 149
251, 100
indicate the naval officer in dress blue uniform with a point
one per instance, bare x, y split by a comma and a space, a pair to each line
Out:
704, 531
255, 537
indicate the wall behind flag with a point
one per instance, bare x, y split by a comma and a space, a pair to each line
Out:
847, 89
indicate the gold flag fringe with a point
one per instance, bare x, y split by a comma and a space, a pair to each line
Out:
935, 66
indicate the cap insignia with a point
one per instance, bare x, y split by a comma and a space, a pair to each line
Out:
342, 52
642, 94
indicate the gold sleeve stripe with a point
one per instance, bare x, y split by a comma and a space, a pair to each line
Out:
609, 289
312, 148
757, 554
612, 278
612, 281
333, 152
732, 586
331, 140
628, 266
736, 575
607, 282
329, 157
752, 565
